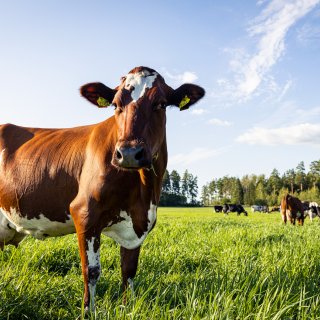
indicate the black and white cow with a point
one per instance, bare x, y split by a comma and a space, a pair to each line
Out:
234, 208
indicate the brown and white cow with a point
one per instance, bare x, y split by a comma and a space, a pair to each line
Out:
102, 178
292, 209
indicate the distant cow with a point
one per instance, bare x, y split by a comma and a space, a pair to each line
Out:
305, 205
313, 210
274, 208
234, 208
255, 208
217, 208
292, 209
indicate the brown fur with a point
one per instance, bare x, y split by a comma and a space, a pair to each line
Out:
292, 210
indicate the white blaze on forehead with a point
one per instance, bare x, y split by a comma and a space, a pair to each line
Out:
140, 81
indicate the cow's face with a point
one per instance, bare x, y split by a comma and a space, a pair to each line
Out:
140, 103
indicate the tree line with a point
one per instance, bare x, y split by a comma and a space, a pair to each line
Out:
262, 190
179, 190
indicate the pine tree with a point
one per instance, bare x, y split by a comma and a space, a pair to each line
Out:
237, 192
315, 172
185, 184
175, 182
166, 183
205, 195
193, 188
300, 175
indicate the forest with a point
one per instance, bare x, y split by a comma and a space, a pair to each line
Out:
250, 189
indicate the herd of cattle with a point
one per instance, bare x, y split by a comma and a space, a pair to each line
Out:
103, 178
291, 209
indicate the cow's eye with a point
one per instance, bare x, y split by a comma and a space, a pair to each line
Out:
117, 108
160, 106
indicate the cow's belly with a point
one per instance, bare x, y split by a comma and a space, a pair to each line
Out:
123, 231
40, 227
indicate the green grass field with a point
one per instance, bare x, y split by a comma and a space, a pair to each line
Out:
195, 264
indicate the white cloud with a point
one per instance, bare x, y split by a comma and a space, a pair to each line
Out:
252, 71
219, 122
305, 133
285, 89
198, 112
194, 155
308, 34
185, 77
308, 114
272, 25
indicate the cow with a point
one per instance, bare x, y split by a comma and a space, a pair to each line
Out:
101, 178
292, 209
274, 208
218, 208
313, 210
234, 208
255, 208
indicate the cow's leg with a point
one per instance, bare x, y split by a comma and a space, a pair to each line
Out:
88, 228
284, 217
88, 231
310, 215
129, 264
89, 247
300, 218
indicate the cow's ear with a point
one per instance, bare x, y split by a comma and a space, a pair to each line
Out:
186, 95
98, 94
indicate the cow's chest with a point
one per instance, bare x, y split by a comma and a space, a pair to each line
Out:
124, 233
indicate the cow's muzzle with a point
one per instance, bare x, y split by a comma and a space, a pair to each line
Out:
131, 157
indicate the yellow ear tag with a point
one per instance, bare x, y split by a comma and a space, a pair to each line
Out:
184, 102
102, 102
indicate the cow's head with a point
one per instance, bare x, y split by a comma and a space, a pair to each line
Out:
140, 103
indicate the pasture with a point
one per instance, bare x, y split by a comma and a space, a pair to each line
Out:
195, 264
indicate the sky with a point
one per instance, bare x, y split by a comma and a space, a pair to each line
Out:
259, 62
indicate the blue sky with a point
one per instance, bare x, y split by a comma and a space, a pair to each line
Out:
258, 61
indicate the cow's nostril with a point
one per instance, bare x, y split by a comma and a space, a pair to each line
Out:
139, 154
119, 155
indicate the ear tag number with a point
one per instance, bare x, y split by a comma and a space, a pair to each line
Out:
102, 102
184, 102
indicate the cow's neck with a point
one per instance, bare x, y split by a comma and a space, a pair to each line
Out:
151, 179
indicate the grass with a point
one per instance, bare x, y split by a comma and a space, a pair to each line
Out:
196, 264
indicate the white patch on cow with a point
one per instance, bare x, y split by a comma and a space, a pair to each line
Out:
123, 231
93, 261
1, 155
2, 158
310, 211
40, 227
93, 257
140, 81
